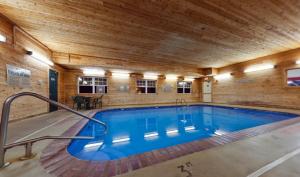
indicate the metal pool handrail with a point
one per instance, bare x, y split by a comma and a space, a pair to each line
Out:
181, 101
28, 143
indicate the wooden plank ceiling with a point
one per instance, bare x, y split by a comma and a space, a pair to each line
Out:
212, 33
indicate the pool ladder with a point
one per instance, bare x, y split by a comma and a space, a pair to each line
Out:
180, 101
29, 142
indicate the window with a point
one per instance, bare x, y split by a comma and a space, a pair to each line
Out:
92, 85
100, 85
184, 87
293, 77
146, 86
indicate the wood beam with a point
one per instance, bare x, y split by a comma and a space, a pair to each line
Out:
75, 61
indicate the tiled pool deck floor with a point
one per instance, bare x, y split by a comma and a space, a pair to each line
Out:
234, 159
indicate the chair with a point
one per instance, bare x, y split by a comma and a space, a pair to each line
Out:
81, 102
88, 103
98, 102
74, 100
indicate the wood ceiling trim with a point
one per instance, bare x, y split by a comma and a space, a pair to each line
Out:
74, 61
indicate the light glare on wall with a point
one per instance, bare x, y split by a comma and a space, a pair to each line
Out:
40, 57
93, 72
298, 62
258, 68
222, 76
2, 38
171, 77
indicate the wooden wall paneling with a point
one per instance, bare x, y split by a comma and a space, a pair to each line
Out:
15, 55
6, 29
263, 88
114, 97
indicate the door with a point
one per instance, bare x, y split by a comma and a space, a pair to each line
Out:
53, 77
206, 88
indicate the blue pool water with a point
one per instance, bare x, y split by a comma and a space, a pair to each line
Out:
138, 130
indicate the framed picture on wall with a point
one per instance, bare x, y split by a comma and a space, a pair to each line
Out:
293, 77
18, 77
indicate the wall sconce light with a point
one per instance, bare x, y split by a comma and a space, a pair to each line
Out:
40, 58
150, 76
2, 38
171, 77
222, 76
259, 68
121, 75
189, 78
93, 72
298, 62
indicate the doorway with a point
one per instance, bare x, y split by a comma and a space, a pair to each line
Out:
207, 91
53, 95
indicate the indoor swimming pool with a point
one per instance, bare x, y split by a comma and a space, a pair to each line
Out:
137, 130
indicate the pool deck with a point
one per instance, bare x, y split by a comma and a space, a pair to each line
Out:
238, 158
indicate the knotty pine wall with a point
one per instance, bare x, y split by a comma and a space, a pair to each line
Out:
262, 88
114, 97
13, 52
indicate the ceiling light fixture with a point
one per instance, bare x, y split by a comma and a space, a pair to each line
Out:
298, 62
40, 57
259, 68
